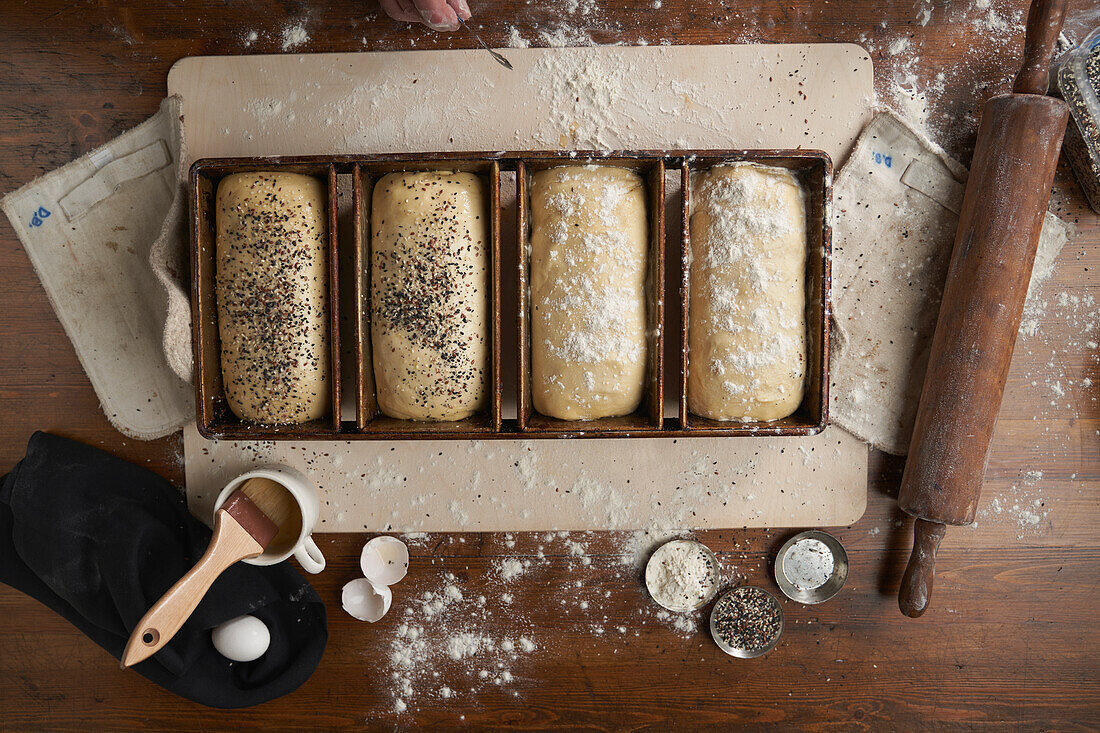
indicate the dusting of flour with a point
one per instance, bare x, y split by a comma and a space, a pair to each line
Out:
294, 36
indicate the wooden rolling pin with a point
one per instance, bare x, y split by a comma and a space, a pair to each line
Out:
1002, 214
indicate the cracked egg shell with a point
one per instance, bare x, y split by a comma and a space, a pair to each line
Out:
366, 601
385, 560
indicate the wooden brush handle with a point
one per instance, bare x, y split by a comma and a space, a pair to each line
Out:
1044, 23
231, 542
916, 584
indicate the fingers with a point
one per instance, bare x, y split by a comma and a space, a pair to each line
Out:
461, 8
401, 10
438, 14
409, 9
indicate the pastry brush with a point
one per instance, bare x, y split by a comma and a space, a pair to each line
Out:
241, 530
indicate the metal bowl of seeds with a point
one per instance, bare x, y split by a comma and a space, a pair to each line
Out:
747, 622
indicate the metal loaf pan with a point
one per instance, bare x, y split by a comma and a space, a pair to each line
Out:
349, 298
814, 170
649, 416
370, 422
212, 413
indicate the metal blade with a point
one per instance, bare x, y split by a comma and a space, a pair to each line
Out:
500, 59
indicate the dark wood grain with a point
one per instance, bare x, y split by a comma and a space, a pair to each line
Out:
1009, 643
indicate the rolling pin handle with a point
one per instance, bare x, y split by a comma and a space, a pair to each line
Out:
916, 585
1044, 23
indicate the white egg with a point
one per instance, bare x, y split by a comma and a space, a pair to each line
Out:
385, 560
366, 601
241, 639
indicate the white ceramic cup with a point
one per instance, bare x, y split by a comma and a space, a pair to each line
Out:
305, 550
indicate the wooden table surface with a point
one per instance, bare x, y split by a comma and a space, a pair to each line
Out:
1012, 634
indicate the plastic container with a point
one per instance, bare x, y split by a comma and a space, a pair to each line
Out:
1079, 85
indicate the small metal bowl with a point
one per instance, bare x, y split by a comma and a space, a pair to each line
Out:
713, 563
740, 652
826, 590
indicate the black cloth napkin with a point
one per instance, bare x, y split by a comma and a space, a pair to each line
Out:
100, 540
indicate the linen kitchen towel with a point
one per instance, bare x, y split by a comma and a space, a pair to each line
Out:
896, 204
89, 228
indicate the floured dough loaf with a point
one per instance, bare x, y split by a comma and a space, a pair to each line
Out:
589, 237
272, 270
746, 313
430, 294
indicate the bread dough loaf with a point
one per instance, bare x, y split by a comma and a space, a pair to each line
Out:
430, 294
589, 237
272, 293
746, 313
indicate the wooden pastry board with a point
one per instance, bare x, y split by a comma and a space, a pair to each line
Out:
668, 97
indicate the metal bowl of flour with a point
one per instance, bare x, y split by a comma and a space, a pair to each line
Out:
683, 605
800, 570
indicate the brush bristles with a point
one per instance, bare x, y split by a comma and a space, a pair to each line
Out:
249, 516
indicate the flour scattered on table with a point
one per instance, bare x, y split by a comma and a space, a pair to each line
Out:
460, 635
899, 45
637, 546
1046, 255
515, 39
579, 7
510, 569
684, 623
1059, 333
1023, 506
294, 36
903, 85
447, 631
564, 36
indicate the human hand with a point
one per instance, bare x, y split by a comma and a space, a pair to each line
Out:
440, 15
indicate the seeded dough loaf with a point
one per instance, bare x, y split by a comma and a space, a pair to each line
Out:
746, 312
430, 294
272, 270
589, 236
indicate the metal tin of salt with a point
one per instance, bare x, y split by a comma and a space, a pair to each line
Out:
811, 567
